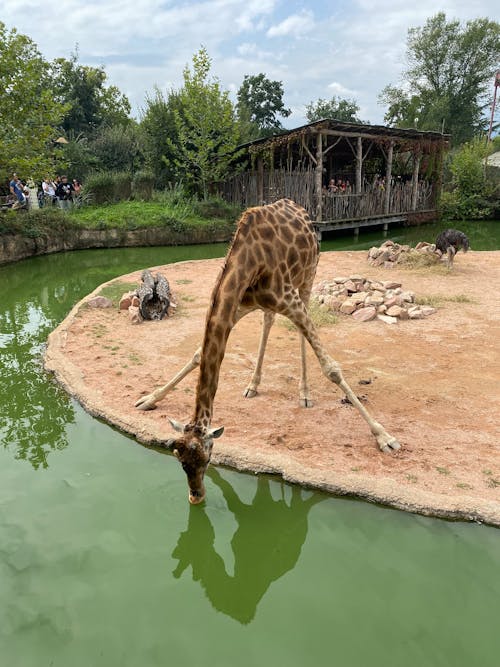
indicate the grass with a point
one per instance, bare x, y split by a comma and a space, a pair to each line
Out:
419, 260
442, 471
437, 300
320, 317
114, 291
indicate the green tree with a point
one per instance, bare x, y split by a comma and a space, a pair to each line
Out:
207, 133
159, 136
260, 103
91, 103
29, 115
450, 67
117, 148
336, 109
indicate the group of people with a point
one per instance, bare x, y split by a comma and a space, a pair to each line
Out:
338, 187
57, 192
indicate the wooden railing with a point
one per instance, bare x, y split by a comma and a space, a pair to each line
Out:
251, 189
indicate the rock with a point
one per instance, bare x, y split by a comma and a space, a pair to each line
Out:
390, 284
347, 307
356, 278
135, 315
376, 285
333, 302
404, 314
427, 310
394, 311
387, 244
374, 300
408, 296
415, 313
383, 257
394, 300
359, 297
350, 286
340, 280
365, 314
100, 302
381, 309
135, 301
387, 319
125, 302
373, 253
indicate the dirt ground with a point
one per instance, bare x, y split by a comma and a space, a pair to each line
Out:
434, 384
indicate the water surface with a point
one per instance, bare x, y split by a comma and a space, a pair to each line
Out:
104, 563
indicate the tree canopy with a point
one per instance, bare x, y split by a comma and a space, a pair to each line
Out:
260, 103
445, 86
337, 109
29, 114
206, 129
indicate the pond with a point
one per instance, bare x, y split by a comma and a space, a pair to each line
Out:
104, 563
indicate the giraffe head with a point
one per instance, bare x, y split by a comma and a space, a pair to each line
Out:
193, 449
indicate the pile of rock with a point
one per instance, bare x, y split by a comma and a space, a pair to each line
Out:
390, 253
130, 302
367, 300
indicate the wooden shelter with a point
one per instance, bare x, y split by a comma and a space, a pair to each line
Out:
379, 173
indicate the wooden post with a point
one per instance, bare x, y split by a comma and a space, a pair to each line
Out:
260, 181
388, 177
414, 180
318, 180
359, 165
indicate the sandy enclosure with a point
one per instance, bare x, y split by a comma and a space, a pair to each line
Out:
434, 384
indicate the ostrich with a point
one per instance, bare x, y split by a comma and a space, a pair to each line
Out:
450, 242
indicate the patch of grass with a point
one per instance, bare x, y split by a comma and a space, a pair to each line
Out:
442, 471
486, 471
99, 330
418, 260
438, 300
134, 358
188, 299
464, 485
114, 291
412, 478
493, 483
183, 281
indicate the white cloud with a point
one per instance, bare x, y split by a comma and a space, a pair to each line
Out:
295, 25
338, 89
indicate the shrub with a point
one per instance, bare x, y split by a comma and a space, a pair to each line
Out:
142, 185
108, 186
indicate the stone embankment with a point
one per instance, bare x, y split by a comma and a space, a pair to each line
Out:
390, 253
367, 300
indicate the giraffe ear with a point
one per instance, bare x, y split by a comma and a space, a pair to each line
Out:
177, 426
216, 432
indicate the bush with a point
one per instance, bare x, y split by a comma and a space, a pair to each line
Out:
142, 185
108, 187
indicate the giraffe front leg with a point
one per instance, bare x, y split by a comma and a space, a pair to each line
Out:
251, 389
149, 402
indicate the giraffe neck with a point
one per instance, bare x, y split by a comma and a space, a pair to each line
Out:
220, 320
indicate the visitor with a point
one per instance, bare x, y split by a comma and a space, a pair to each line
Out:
49, 191
64, 192
17, 189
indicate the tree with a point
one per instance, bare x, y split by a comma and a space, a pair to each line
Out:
450, 67
29, 115
159, 135
206, 128
336, 109
91, 104
260, 102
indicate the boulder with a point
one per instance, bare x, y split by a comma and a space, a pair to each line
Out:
387, 319
394, 311
365, 314
125, 302
347, 307
100, 302
135, 315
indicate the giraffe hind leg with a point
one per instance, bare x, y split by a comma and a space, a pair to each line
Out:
296, 311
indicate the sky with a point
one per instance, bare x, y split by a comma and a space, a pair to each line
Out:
317, 49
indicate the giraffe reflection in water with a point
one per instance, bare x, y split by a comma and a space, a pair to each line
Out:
264, 550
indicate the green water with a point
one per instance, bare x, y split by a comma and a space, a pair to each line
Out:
103, 563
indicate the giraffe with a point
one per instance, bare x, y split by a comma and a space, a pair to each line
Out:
270, 265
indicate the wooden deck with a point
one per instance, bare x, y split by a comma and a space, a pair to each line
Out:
367, 221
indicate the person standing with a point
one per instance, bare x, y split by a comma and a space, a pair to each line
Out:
64, 192
49, 191
16, 188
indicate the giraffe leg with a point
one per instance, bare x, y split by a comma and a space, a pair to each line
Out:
267, 323
296, 311
305, 400
149, 402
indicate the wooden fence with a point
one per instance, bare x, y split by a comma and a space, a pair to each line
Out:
244, 189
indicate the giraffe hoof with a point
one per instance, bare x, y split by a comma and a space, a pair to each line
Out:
388, 444
306, 403
145, 403
250, 393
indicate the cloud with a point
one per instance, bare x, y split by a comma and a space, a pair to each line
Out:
338, 89
295, 25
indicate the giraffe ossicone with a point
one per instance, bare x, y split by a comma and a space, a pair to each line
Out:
270, 265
